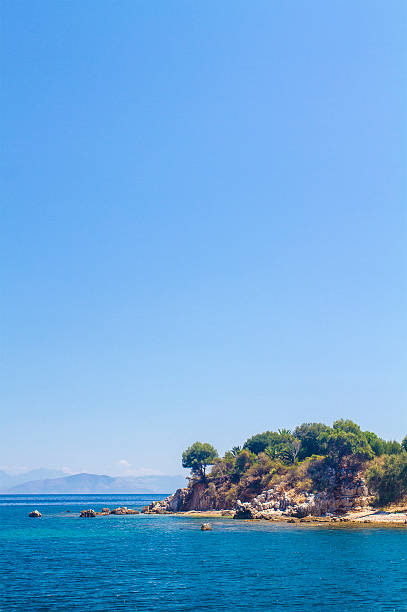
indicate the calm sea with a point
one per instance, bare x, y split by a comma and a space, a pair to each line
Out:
145, 562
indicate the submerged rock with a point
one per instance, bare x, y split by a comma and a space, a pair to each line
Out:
206, 527
35, 514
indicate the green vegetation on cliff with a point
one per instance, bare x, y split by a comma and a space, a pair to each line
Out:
313, 457
387, 478
198, 457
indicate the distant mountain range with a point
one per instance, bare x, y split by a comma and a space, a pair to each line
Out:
7, 480
88, 483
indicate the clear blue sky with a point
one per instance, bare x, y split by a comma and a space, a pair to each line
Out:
203, 225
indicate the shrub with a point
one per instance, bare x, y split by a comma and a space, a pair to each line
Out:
387, 478
212, 489
231, 495
244, 460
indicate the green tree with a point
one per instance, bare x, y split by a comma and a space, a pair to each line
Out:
376, 443
285, 447
347, 425
258, 443
309, 436
340, 444
392, 447
286, 451
268, 439
404, 444
198, 457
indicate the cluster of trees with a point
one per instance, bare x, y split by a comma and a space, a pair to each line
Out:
344, 441
344, 438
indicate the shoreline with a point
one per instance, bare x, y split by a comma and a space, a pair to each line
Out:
373, 518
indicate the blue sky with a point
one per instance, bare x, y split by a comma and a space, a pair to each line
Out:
203, 225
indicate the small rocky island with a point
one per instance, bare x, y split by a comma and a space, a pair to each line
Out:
106, 511
316, 472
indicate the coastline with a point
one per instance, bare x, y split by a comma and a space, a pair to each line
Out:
371, 518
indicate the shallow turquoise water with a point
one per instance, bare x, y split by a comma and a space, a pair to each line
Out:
145, 562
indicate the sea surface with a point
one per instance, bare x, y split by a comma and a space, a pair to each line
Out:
165, 563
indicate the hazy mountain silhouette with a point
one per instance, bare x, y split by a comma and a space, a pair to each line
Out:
99, 483
8, 480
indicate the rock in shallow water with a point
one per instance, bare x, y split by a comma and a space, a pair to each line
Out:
88, 513
206, 527
35, 514
124, 510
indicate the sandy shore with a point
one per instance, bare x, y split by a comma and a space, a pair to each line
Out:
378, 516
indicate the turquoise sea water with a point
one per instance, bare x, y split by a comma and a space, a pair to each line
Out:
146, 562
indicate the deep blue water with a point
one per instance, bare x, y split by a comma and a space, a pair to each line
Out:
145, 562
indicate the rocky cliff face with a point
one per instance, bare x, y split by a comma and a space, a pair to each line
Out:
277, 502
332, 491
195, 497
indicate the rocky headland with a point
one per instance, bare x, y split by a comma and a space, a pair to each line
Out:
342, 493
314, 474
